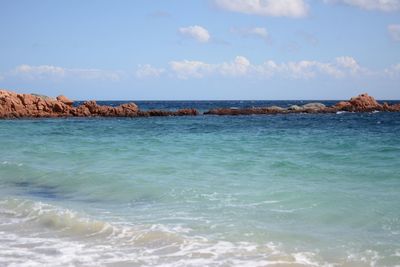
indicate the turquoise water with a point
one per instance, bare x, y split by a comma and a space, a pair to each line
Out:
284, 190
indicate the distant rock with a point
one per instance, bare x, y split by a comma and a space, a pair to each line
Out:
314, 106
364, 102
276, 108
13, 105
247, 111
361, 103
295, 107
343, 106
43, 96
65, 100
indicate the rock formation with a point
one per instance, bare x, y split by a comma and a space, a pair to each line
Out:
361, 103
13, 105
65, 100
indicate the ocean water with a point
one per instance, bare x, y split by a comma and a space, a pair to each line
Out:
268, 190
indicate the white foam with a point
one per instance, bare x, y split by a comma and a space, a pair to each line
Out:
11, 163
38, 234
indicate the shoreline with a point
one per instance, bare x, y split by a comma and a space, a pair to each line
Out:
15, 106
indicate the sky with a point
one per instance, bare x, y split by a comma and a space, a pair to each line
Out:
201, 49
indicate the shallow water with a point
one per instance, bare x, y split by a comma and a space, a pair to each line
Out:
280, 190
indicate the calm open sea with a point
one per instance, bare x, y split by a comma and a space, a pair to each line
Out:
269, 190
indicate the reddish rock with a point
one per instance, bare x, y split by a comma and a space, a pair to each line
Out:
65, 100
13, 105
364, 102
58, 108
81, 111
26, 99
394, 108
91, 106
343, 106
130, 107
361, 103
187, 112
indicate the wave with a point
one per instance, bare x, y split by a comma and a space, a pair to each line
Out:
34, 233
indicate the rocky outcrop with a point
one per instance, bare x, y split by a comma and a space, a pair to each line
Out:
314, 106
65, 100
295, 107
361, 103
13, 105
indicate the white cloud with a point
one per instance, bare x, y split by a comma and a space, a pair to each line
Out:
256, 32
304, 69
273, 8
242, 67
197, 69
146, 71
393, 71
39, 72
382, 5
186, 69
54, 72
195, 32
394, 32
348, 63
238, 67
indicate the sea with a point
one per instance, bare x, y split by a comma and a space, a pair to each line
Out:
284, 190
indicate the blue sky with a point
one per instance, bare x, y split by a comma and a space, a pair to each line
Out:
209, 49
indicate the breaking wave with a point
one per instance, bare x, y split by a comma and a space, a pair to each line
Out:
35, 234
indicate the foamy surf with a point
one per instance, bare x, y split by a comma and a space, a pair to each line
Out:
34, 233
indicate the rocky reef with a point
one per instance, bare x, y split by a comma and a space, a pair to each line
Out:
14, 105
361, 103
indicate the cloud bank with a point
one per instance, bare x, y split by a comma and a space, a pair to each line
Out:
272, 8
241, 67
382, 5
